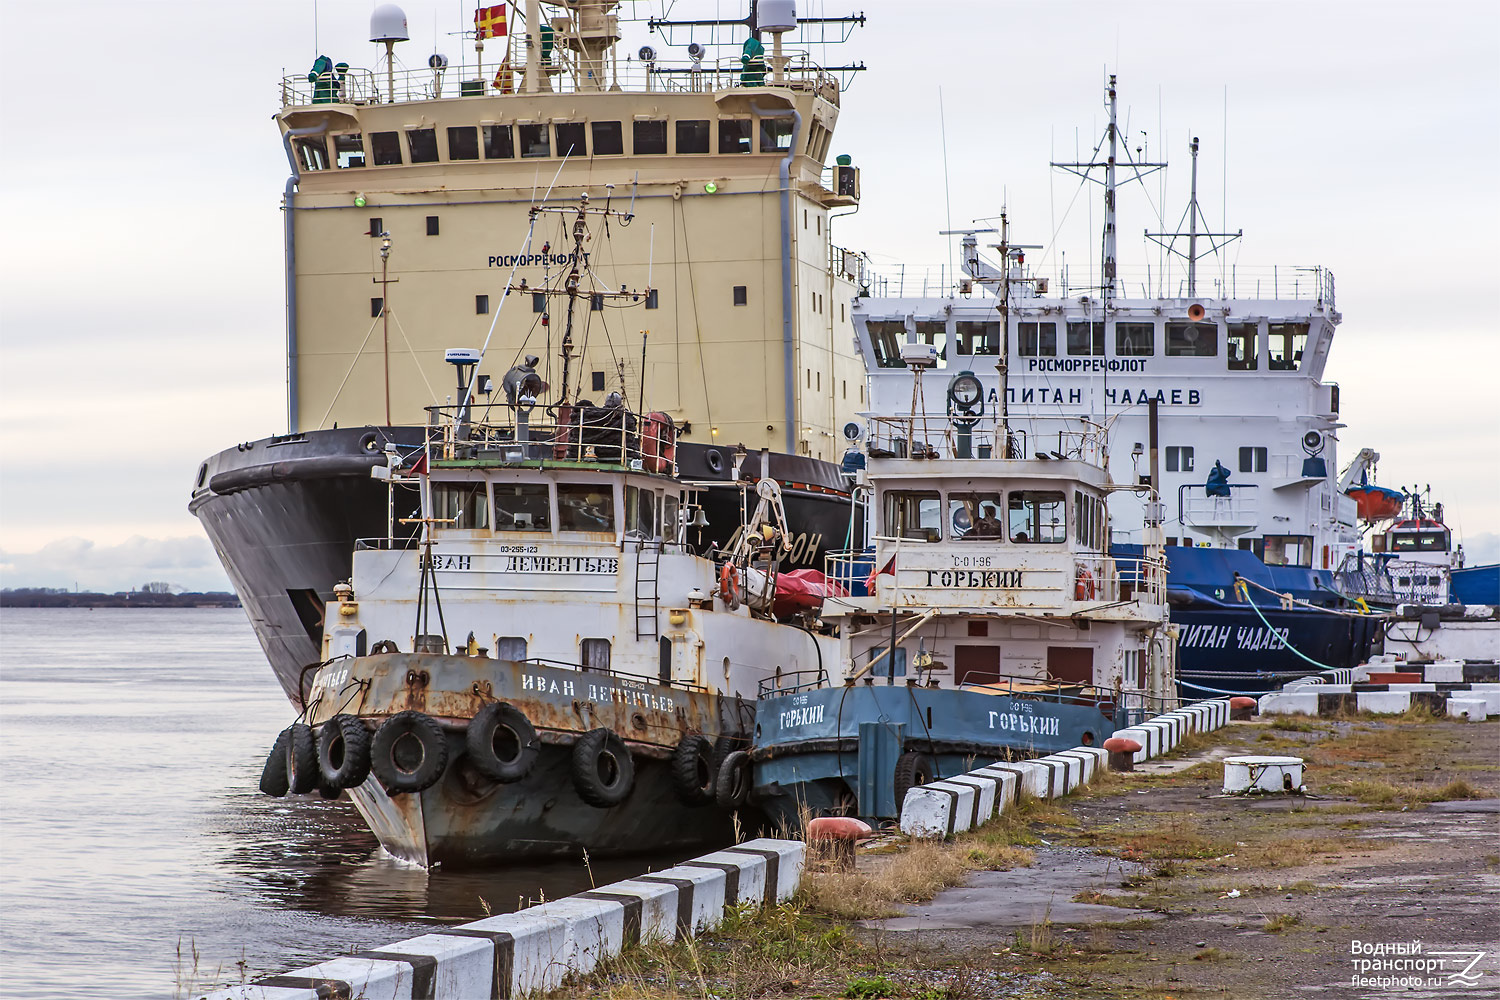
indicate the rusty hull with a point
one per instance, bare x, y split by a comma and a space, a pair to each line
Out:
468, 820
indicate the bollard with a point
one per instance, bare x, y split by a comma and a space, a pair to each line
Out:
1241, 709
1122, 753
831, 839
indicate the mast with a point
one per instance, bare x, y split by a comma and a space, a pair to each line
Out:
1194, 216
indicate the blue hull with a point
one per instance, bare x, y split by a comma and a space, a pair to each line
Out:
1476, 585
834, 750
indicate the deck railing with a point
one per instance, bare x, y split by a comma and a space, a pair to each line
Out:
940, 435
596, 435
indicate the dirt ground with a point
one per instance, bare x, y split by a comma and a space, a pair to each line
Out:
1235, 897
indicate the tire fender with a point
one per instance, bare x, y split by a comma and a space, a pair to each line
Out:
409, 752
301, 759
694, 776
501, 742
603, 773
343, 752
732, 787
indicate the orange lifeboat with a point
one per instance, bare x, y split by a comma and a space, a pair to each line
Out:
1376, 503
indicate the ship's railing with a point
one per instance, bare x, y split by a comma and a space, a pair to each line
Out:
364, 86
792, 682
1392, 583
1239, 509
598, 435
939, 435
846, 263
1313, 284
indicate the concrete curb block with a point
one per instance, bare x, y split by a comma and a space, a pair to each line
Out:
514, 954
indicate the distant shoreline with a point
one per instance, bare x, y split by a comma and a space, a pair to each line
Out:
136, 599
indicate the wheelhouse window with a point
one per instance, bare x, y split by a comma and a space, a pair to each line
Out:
348, 150
775, 135
385, 148
522, 507
914, 514
1179, 458
1253, 459
463, 143
1089, 521
1419, 541
1285, 343
671, 528
499, 142
650, 138
1038, 516
423, 144
640, 513
1135, 340
977, 337
692, 136
460, 505
583, 507
312, 153
734, 135
1036, 340
1086, 339
570, 141
1242, 357
934, 332
609, 140
975, 516
1192, 340
1288, 550
887, 336
535, 142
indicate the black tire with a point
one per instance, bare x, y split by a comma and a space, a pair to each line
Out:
301, 759
329, 793
343, 752
273, 776
912, 769
603, 772
693, 775
501, 742
409, 752
732, 787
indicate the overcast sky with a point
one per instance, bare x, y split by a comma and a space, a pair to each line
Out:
141, 323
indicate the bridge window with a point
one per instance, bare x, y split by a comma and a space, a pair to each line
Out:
976, 516
1086, 339
499, 142
887, 336
640, 512
650, 138
1288, 550
692, 136
1192, 340
913, 514
1135, 340
1038, 516
386, 149
463, 504
312, 153
349, 150
1037, 340
609, 140
734, 135
775, 135
1285, 343
1252, 460
1419, 541
582, 507
423, 143
535, 142
1242, 356
570, 141
522, 507
463, 143
1179, 458
934, 332
1088, 520
977, 338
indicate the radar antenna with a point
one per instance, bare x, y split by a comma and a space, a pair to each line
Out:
1192, 216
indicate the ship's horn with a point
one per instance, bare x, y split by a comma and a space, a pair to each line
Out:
1196, 312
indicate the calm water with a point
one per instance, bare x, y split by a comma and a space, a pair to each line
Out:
132, 833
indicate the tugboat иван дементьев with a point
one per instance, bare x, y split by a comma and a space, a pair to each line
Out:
405, 212
986, 618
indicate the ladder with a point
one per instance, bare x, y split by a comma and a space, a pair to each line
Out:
647, 596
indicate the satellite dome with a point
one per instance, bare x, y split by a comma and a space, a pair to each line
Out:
388, 24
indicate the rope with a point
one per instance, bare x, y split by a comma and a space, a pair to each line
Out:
1241, 584
1292, 600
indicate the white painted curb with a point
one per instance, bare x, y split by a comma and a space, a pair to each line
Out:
530, 951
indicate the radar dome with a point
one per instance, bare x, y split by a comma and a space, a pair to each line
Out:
388, 24
776, 16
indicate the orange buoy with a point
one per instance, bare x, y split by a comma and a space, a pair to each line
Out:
1121, 744
838, 828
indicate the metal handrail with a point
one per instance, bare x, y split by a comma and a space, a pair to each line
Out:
777, 685
595, 435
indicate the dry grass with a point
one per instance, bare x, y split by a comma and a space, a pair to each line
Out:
914, 875
1280, 923
1377, 792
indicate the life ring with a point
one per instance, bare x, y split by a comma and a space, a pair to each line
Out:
693, 773
343, 752
501, 742
732, 787
409, 752
731, 586
603, 773
1083, 585
301, 759
273, 776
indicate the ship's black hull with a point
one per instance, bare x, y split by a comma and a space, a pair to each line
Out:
1231, 650
284, 513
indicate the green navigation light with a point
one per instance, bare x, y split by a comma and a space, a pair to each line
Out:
710, 187
359, 201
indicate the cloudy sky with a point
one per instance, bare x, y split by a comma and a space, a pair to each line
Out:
140, 283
